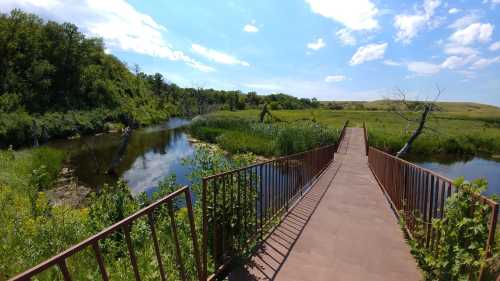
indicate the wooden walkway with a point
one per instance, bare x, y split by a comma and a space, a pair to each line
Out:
342, 229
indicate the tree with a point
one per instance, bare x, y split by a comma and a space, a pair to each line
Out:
407, 110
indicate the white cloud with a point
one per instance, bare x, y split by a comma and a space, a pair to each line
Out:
455, 62
250, 28
345, 35
116, 21
453, 11
335, 78
316, 45
392, 63
453, 49
409, 25
368, 53
217, 56
476, 32
423, 68
482, 62
354, 14
466, 20
495, 46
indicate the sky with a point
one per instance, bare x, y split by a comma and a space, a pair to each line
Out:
330, 50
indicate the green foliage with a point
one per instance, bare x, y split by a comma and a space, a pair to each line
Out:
462, 235
237, 135
458, 132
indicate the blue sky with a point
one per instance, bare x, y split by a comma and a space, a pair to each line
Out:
331, 50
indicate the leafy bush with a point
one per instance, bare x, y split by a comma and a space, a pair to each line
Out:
462, 235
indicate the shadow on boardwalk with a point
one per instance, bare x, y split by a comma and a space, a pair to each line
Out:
268, 259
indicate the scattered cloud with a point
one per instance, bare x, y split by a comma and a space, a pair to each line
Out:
453, 11
392, 63
495, 46
482, 62
316, 45
217, 56
476, 32
453, 49
346, 37
369, 52
335, 78
120, 25
250, 28
423, 68
353, 14
456, 62
466, 20
409, 25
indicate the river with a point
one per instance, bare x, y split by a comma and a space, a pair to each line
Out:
152, 154
471, 168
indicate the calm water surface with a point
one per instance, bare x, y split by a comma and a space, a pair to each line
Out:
471, 168
152, 154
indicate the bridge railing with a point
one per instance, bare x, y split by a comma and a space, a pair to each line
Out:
240, 206
420, 194
161, 208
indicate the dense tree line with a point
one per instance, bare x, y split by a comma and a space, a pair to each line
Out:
56, 82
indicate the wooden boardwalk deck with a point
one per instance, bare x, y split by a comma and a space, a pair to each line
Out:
342, 229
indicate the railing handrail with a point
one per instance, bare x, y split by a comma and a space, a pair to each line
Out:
91, 241
284, 157
483, 198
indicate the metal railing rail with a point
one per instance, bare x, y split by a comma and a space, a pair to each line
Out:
125, 226
365, 134
240, 206
420, 194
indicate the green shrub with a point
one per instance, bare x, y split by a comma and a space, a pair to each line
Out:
459, 252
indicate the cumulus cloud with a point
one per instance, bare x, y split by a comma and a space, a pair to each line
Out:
216, 56
495, 46
453, 11
353, 14
250, 28
368, 53
476, 32
318, 44
116, 21
335, 78
346, 37
409, 25
423, 68
483, 62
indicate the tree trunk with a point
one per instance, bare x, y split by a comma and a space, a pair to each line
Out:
406, 148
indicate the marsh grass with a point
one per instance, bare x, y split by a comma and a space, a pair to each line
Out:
239, 134
459, 132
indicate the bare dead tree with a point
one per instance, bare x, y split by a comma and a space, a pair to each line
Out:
413, 112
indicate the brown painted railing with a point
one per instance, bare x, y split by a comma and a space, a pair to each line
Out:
239, 206
365, 134
124, 226
420, 193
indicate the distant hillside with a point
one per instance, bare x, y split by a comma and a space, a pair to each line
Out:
385, 105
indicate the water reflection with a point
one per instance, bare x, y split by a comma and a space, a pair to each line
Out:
152, 154
471, 168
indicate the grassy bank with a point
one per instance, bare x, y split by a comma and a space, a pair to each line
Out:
238, 134
460, 132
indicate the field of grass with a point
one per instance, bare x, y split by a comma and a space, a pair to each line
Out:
454, 129
241, 133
